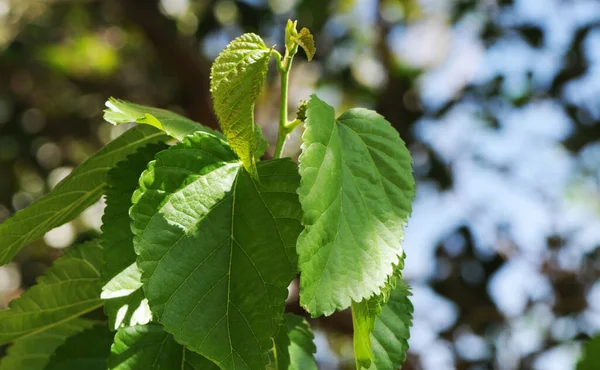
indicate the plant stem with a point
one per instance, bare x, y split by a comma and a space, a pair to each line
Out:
292, 125
283, 131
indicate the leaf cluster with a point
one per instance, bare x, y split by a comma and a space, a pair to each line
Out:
201, 239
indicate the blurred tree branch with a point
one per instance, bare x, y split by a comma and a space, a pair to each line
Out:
391, 100
183, 61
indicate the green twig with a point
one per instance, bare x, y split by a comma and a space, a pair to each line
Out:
284, 127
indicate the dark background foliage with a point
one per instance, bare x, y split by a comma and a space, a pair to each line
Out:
496, 99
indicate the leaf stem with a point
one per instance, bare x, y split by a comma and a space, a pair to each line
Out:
284, 127
290, 126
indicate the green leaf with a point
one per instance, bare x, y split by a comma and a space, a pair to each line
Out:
389, 341
356, 193
34, 352
304, 39
125, 304
88, 350
590, 359
237, 77
67, 290
294, 347
214, 244
71, 196
194, 361
290, 35
302, 348
381, 325
177, 126
306, 42
364, 314
149, 347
